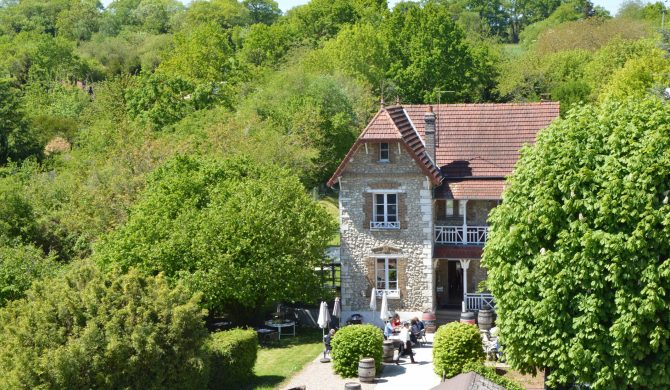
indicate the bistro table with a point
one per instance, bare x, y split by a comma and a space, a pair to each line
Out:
280, 325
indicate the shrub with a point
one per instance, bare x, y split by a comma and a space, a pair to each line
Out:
20, 265
455, 345
354, 342
89, 330
232, 357
490, 374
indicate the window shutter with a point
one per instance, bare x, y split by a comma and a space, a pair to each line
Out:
402, 277
367, 209
370, 274
402, 210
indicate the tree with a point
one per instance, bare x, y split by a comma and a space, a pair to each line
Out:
578, 254
263, 11
429, 54
16, 142
244, 234
87, 329
20, 265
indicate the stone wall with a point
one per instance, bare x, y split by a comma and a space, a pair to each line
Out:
412, 244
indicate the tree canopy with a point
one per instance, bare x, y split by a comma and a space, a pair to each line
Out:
243, 234
578, 250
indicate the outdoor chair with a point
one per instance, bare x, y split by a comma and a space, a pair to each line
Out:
422, 337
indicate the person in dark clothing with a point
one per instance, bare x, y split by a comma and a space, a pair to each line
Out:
326, 342
415, 331
405, 338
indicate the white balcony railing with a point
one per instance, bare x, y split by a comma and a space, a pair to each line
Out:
478, 301
384, 225
474, 235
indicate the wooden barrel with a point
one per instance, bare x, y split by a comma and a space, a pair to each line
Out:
468, 317
428, 319
366, 370
352, 386
388, 348
485, 319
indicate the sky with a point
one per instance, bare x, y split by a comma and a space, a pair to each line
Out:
285, 5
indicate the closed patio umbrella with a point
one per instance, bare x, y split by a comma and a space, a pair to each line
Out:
384, 312
324, 317
373, 299
337, 310
323, 321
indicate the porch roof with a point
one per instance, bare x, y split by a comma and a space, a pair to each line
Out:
480, 189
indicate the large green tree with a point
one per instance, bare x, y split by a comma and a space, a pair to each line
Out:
429, 53
244, 234
579, 250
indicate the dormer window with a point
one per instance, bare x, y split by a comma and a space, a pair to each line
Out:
384, 152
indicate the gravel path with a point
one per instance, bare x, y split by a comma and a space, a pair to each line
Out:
419, 376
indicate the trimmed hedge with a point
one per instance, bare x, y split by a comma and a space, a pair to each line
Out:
354, 342
232, 358
490, 374
455, 345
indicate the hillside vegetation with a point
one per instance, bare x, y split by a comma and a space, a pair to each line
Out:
93, 100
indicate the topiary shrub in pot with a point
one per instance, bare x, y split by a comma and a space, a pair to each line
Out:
352, 343
455, 345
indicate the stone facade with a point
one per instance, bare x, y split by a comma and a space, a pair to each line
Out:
361, 246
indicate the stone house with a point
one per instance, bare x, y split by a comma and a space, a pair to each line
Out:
415, 191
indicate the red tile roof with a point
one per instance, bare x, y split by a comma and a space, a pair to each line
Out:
457, 252
472, 140
483, 139
393, 124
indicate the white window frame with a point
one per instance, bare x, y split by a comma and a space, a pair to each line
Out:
384, 147
386, 283
384, 221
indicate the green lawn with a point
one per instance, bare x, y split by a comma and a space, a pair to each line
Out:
332, 206
276, 364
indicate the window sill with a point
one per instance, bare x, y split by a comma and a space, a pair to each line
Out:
390, 294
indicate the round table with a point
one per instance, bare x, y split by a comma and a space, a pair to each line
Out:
281, 325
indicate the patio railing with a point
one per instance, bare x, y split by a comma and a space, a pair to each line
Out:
474, 235
477, 301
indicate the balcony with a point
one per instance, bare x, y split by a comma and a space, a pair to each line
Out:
461, 235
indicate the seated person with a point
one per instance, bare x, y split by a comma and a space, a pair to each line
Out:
415, 331
420, 323
395, 322
388, 330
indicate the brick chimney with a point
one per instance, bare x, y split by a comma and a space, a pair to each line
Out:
429, 119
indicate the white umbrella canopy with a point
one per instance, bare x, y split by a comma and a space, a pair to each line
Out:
384, 312
324, 316
337, 308
373, 299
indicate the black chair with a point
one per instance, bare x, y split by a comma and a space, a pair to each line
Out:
355, 319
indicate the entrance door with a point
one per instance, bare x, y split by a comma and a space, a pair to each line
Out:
454, 284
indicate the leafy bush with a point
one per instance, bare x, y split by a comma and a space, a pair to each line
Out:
232, 357
354, 342
455, 345
490, 374
20, 265
87, 329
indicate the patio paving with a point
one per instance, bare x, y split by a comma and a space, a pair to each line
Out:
320, 376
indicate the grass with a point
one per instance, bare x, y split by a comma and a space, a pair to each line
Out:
278, 363
513, 50
331, 205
